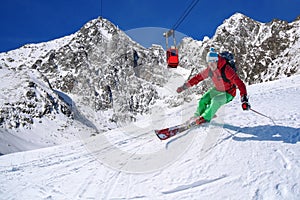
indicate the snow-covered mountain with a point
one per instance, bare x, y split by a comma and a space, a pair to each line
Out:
240, 155
89, 83
86, 81
263, 51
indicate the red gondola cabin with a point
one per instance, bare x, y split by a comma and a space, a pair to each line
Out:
172, 57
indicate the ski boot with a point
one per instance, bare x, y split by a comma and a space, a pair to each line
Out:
195, 121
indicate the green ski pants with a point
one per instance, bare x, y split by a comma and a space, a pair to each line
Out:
210, 102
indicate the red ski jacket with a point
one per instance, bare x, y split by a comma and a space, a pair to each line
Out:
218, 81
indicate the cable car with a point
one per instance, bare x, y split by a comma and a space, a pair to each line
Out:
172, 52
172, 57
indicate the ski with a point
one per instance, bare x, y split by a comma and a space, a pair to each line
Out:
166, 133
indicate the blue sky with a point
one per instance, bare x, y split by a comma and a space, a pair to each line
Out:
33, 21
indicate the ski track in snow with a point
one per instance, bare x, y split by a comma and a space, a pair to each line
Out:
250, 158
192, 185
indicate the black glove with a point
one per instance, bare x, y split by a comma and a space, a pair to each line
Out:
245, 103
181, 88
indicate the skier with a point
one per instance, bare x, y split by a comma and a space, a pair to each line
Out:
223, 91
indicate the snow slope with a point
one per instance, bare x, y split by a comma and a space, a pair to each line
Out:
240, 155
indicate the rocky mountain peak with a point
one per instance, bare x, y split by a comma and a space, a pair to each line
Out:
262, 50
101, 78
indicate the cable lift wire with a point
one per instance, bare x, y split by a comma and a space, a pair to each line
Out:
171, 32
185, 14
172, 52
181, 19
101, 8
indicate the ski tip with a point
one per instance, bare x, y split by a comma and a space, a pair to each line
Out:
160, 136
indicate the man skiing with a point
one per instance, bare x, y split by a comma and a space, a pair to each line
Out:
224, 89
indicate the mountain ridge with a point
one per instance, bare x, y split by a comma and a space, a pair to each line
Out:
92, 82
260, 48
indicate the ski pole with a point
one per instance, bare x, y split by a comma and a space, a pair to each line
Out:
263, 115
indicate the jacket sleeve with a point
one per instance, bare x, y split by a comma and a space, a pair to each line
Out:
235, 79
197, 78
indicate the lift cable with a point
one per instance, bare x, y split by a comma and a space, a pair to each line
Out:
172, 52
171, 32
101, 9
185, 14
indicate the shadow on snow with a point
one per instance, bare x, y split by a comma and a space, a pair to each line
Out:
266, 133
